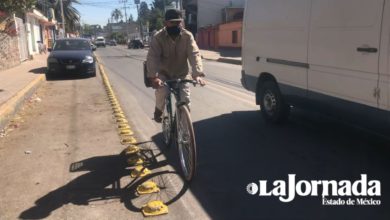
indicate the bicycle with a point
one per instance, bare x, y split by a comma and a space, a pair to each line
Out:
177, 125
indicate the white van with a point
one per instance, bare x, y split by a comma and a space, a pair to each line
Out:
330, 55
100, 41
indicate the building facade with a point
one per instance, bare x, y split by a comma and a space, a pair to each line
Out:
39, 29
215, 24
227, 34
19, 36
9, 51
210, 12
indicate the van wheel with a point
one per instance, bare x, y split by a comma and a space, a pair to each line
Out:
272, 105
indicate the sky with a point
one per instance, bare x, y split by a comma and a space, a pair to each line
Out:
99, 11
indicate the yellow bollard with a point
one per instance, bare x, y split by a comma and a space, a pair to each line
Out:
154, 208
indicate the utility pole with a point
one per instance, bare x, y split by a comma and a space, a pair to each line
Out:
137, 2
126, 22
63, 17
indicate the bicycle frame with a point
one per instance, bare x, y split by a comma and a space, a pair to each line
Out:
176, 92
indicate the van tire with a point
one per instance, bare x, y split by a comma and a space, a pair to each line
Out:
272, 105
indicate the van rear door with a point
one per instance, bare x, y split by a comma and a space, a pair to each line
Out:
344, 50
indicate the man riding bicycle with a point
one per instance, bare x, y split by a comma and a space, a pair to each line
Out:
170, 50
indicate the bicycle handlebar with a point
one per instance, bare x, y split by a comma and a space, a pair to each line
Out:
167, 82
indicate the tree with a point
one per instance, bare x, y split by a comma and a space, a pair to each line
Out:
144, 12
20, 6
156, 18
87, 29
131, 18
116, 15
119, 37
71, 14
160, 4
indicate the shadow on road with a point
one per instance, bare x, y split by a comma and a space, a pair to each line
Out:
103, 182
239, 148
40, 70
103, 171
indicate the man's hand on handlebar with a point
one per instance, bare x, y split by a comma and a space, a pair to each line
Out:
156, 82
199, 80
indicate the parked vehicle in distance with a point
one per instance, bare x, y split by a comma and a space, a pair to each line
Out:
93, 46
325, 57
100, 42
71, 56
112, 43
135, 44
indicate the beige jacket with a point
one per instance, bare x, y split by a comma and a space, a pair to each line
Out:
170, 57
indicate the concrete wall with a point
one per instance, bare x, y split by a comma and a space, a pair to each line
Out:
9, 51
208, 37
225, 34
210, 11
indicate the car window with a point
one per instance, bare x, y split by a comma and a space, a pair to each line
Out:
72, 45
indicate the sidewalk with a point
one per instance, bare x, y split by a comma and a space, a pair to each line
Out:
62, 160
232, 56
19, 83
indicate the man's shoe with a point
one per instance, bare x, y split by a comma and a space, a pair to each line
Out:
157, 115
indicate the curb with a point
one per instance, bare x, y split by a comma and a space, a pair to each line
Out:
224, 60
231, 61
12, 106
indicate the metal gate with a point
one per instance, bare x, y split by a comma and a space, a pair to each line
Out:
22, 39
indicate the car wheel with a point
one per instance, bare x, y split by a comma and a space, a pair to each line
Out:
49, 76
272, 106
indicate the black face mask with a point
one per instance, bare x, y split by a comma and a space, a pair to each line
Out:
173, 31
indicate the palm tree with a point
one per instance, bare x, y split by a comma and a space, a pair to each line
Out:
116, 15
71, 14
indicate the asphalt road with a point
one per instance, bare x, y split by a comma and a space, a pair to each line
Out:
236, 147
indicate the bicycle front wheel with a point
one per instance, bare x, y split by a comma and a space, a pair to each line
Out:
167, 129
186, 142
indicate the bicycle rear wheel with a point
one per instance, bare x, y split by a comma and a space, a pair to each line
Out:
186, 142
